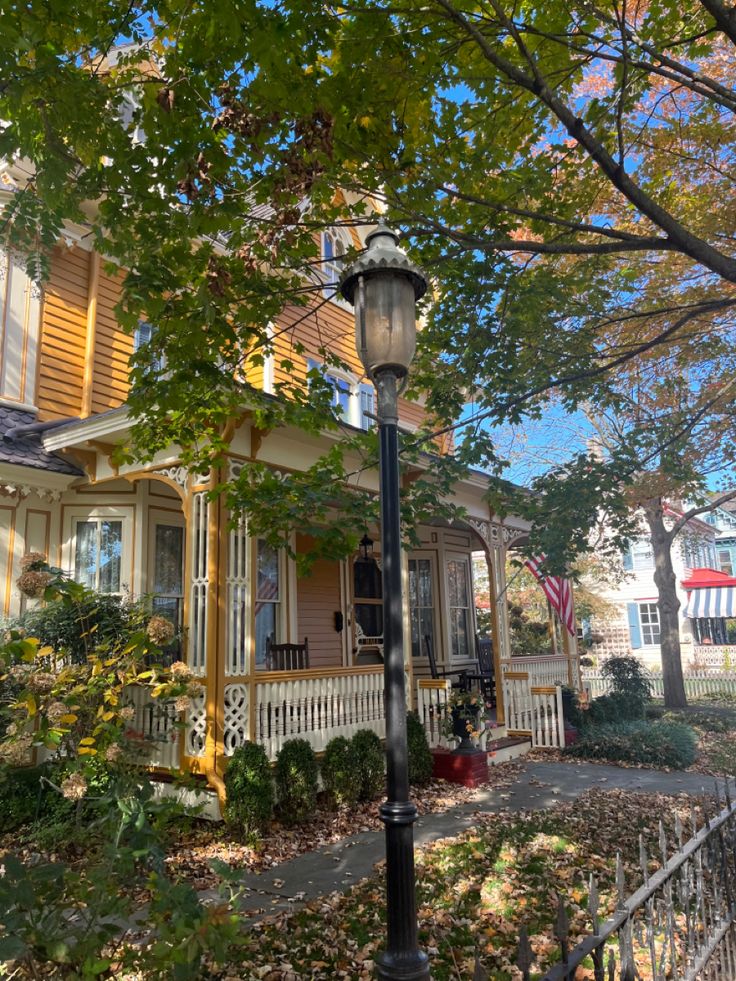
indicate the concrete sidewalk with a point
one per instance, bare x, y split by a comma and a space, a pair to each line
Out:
541, 785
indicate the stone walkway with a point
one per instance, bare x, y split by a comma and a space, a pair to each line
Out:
540, 785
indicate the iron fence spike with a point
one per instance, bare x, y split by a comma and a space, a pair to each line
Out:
525, 955
643, 860
620, 880
480, 973
593, 903
611, 966
663, 842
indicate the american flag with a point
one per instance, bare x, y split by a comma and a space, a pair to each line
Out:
557, 590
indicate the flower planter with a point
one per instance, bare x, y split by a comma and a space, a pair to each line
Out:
462, 717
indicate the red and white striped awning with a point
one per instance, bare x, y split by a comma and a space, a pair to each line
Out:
710, 594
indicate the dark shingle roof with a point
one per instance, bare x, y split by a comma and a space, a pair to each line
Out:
28, 451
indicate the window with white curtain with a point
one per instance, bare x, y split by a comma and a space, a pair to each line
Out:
98, 548
459, 597
268, 599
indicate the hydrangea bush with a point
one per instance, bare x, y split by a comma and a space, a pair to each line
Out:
81, 709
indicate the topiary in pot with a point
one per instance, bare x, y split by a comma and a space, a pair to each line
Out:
249, 787
420, 757
297, 775
340, 774
370, 760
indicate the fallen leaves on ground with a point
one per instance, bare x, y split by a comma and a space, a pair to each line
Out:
191, 851
474, 893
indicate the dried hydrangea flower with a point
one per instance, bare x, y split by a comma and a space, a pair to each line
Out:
74, 787
113, 753
31, 559
56, 712
127, 713
16, 752
41, 681
179, 670
33, 584
182, 703
160, 631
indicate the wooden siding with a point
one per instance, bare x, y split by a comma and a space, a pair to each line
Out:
113, 348
63, 335
318, 599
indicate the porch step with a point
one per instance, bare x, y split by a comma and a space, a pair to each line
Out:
507, 748
497, 732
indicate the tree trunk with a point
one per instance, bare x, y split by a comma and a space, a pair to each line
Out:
669, 605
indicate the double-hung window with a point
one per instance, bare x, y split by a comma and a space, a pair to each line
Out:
98, 549
333, 249
459, 593
639, 557
643, 624
267, 600
354, 403
142, 338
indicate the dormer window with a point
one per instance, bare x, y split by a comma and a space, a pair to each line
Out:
142, 338
334, 247
352, 401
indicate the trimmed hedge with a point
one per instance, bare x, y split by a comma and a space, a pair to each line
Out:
420, 757
297, 777
660, 744
249, 787
370, 760
340, 774
614, 707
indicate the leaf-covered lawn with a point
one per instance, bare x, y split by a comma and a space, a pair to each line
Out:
474, 893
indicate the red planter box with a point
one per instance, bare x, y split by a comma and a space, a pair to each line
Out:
470, 770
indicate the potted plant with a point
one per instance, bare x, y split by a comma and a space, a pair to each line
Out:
462, 720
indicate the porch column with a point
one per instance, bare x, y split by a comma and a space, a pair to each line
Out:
496, 583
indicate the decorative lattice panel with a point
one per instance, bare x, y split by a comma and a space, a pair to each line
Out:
237, 601
196, 726
237, 712
200, 583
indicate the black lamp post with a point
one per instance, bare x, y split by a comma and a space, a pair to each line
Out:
384, 286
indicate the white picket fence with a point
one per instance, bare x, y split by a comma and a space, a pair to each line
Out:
697, 683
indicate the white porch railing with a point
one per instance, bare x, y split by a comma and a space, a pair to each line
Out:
432, 707
155, 724
318, 705
542, 670
718, 656
549, 722
697, 683
534, 709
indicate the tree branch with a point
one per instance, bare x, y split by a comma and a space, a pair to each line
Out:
725, 17
682, 240
703, 509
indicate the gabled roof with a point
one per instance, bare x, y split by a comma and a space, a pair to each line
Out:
26, 450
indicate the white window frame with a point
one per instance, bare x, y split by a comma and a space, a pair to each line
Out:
652, 623
281, 619
168, 519
431, 557
643, 554
142, 336
357, 392
331, 268
126, 515
464, 558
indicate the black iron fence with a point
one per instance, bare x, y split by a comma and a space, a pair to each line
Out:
680, 925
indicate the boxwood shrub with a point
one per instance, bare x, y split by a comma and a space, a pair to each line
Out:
340, 773
420, 757
370, 760
297, 777
249, 787
663, 743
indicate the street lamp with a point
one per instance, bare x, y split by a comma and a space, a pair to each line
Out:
384, 286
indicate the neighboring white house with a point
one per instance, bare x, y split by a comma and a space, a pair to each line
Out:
635, 630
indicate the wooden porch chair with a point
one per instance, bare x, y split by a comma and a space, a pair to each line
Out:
486, 674
433, 670
287, 657
368, 650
